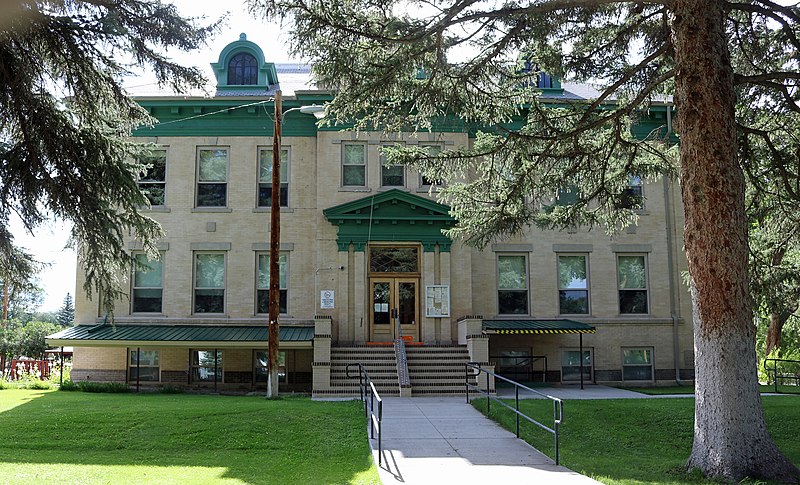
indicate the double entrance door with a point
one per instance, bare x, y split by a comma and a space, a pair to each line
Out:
394, 292
395, 308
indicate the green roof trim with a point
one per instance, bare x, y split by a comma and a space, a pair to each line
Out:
179, 335
395, 216
559, 326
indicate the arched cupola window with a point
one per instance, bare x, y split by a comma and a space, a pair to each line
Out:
242, 70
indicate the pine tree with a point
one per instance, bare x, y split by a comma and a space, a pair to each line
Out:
65, 121
66, 314
720, 59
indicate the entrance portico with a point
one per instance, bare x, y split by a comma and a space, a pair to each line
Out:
394, 245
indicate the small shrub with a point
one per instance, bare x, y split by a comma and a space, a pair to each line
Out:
37, 384
68, 385
4, 384
112, 387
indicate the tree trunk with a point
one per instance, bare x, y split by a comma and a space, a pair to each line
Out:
730, 435
776, 322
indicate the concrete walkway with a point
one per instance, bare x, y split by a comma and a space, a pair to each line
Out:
433, 440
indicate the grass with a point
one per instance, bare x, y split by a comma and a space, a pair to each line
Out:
657, 391
637, 441
76, 437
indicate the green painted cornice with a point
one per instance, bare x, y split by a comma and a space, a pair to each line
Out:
395, 216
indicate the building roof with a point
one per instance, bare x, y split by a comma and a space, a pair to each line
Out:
556, 326
291, 336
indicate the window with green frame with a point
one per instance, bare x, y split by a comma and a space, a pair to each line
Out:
207, 366
262, 366
573, 284
143, 366
512, 285
265, 177
148, 289
632, 280
212, 177
209, 283
262, 283
354, 164
392, 175
153, 181
637, 364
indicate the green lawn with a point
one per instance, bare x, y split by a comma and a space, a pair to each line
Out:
637, 441
655, 391
75, 437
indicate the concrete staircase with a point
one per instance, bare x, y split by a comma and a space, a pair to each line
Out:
433, 370
379, 362
437, 370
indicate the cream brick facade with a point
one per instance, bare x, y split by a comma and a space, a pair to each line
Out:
319, 260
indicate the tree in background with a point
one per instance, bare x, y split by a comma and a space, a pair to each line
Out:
65, 119
66, 314
395, 71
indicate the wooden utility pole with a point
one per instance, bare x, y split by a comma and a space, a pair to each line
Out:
274, 254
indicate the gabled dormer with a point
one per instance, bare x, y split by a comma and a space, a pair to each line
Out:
242, 70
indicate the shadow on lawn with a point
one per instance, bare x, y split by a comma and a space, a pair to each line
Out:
124, 437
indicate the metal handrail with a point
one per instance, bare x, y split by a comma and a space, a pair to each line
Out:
558, 405
776, 376
367, 387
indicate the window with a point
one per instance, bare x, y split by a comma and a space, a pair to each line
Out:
147, 285
262, 286
392, 175
209, 283
637, 364
143, 366
633, 196
573, 288
571, 365
632, 278
206, 366
212, 177
512, 285
242, 70
433, 150
265, 177
354, 165
153, 182
262, 366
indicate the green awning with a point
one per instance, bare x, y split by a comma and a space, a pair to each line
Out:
218, 336
558, 326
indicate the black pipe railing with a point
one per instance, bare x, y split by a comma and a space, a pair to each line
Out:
784, 375
369, 396
474, 370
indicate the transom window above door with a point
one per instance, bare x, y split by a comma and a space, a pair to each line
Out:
394, 259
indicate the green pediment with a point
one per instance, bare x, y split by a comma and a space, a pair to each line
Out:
391, 216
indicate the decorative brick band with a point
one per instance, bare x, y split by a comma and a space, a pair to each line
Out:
99, 375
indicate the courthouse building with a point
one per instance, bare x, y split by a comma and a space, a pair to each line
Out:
363, 261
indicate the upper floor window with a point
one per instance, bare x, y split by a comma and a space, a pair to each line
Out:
354, 165
212, 177
433, 150
633, 195
148, 285
262, 285
512, 285
632, 279
573, 287
209, 283
392, 175
242, 70
265, 177
153, 182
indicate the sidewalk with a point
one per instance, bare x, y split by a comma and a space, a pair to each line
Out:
429, 440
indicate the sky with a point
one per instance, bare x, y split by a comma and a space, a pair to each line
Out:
48, 243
